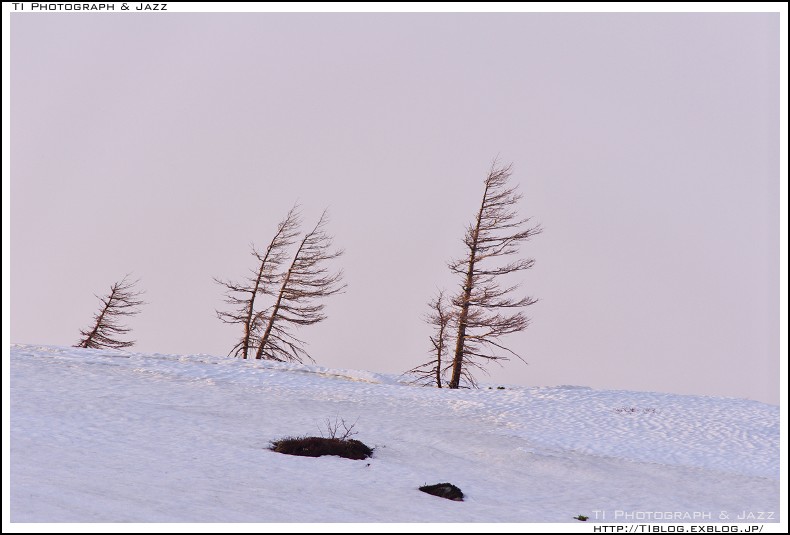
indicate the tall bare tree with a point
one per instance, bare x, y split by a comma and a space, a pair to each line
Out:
261, 281
485, 309
432, 372
298, 303
123, 300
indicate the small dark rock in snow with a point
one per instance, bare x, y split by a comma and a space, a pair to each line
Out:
444, 490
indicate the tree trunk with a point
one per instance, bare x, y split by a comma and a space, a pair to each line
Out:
458, 358
99, 320
439, 358
268, 331
248, 319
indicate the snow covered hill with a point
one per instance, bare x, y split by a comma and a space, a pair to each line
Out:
112, 436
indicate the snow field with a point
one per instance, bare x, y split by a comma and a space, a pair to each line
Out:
112, 436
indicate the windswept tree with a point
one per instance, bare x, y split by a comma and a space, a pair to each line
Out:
433, 371
263, 280
299, 301
107, 331
484, 308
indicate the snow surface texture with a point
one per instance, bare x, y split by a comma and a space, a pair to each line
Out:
115, 436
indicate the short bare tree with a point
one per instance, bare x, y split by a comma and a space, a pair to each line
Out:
483, 308
432, 372
263, 280
106, 332
299, 301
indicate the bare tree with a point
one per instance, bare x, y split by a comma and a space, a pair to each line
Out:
123, 300
432, 372
261, 281
298, 303
485, 311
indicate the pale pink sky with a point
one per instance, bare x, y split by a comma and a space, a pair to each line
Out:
647, 145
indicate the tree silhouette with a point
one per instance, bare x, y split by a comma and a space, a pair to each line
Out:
484, 310
262, 281
432, 372
298, 302
123, 300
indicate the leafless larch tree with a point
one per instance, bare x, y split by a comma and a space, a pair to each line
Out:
484, 310
299, 300
432, 372
106, 332
263, 280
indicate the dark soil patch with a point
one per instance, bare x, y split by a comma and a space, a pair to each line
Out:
318, 446
444, 490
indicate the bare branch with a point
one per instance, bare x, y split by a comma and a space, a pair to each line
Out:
333, 429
